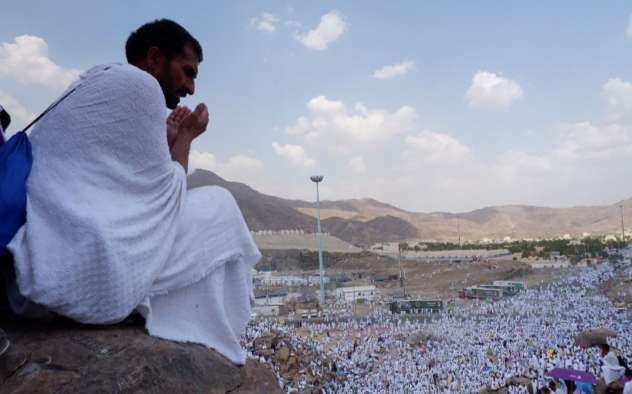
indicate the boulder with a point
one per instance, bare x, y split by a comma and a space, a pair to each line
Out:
64, 357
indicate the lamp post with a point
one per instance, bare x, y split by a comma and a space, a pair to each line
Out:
458, 230
622, 228
402, 276
317, 179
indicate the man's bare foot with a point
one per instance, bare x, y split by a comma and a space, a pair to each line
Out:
174, 120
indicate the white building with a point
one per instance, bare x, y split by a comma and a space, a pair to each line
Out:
445, 255
355, 293
270, 278
538, 264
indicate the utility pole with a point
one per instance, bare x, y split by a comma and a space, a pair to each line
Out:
458, 229
622, 226
317, 179
402, 277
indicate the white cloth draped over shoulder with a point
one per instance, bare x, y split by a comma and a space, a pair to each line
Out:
111, 227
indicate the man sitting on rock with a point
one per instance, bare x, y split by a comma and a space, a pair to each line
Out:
111, 227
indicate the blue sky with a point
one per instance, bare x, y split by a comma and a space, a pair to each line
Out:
430, 106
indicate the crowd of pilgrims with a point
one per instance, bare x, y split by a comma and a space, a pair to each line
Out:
473, 346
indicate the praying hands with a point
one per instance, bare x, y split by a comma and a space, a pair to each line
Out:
183, 126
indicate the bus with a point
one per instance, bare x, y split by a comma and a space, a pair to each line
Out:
482, 293
427, 305
415, 306
506, 290
517, 285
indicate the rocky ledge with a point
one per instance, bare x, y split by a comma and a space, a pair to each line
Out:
63, 357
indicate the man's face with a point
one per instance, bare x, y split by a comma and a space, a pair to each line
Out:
177, 76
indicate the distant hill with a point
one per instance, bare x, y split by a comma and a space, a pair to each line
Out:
364, 221
264, 212
516, 221
382, 228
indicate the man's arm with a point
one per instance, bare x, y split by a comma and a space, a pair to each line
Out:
181, 149
191, 127
174, 120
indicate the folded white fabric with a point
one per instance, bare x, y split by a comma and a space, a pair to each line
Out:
213, 239
110, 223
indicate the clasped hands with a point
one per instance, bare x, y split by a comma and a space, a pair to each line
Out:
184, 123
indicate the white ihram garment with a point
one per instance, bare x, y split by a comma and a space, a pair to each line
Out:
111, 227
611, 369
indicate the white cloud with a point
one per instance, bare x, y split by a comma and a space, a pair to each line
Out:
357, 165
585, 140
618, 93
242, 163
436, 147
239, 168
242, 168
332, 25
360, 125
293, 153
265, 22
628, 31
515, 167
394, 70
582, 163
492, 91
202, 160
20, 116
27, 60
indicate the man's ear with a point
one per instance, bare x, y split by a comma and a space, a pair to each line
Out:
155, 59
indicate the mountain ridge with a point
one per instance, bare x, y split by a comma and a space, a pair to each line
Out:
354, 220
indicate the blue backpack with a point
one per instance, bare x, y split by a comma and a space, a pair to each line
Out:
16, 160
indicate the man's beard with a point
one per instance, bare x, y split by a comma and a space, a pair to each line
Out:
171, 99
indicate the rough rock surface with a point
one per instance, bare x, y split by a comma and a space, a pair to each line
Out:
64, 357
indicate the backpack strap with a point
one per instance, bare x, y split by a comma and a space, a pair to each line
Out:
50, 107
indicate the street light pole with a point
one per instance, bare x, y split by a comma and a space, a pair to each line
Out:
402, 277
317, 179
622, 227
458, 229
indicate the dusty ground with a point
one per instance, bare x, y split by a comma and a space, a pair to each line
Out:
423, 279
619, 290
445, 280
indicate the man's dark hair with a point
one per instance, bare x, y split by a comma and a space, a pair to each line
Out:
5, 119
605, 347
166, 35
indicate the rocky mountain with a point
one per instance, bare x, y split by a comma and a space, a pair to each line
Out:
264, 212
364, 221
381, 228
516, 221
